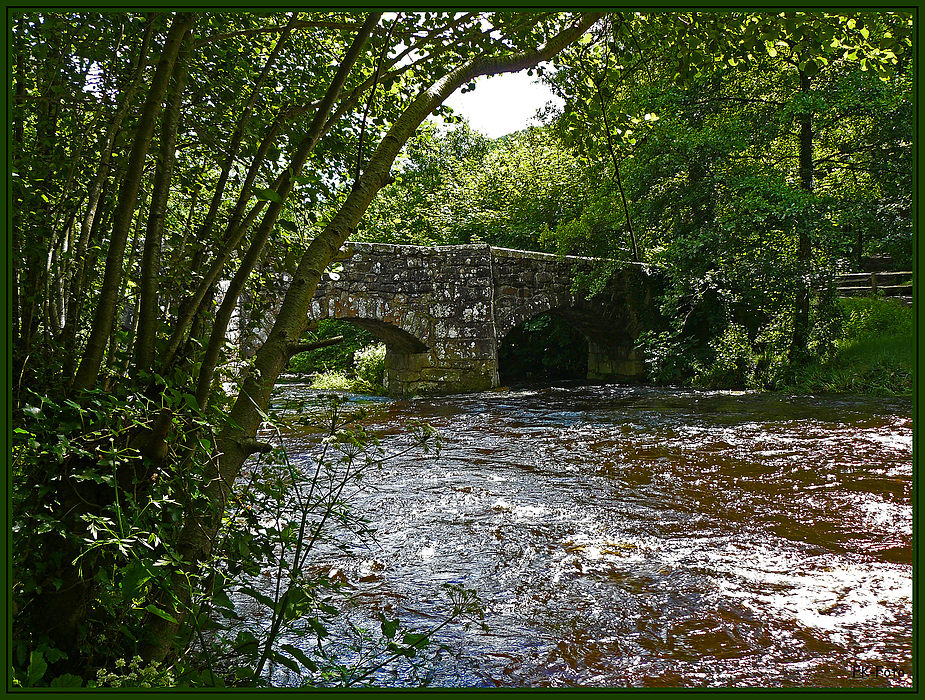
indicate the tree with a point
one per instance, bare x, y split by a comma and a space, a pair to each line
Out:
740, 122
291, 124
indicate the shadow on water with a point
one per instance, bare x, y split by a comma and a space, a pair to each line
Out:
629, 536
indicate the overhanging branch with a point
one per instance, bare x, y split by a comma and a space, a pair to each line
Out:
296, 348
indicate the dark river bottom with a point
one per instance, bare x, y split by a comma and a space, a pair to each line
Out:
622, 536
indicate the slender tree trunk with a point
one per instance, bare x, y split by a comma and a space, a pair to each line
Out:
80, 290
34, 248
191, 307
89, 368
616, 171
123, 300
18, 146
88, 228
236, 441
800, 340
151, 257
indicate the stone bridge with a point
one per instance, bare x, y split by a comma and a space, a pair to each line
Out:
442, 311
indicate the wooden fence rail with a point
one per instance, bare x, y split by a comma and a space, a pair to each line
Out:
890, 284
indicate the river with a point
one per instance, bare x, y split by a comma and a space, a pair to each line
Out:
629, 536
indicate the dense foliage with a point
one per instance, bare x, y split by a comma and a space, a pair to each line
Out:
171, 174
750, 169
174, 174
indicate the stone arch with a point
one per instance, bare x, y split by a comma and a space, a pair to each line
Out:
394, 337
611, 352
407, 341
531, 307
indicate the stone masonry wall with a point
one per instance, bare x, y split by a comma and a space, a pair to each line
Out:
442, 310
440, 297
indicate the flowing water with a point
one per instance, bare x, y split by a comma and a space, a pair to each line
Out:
623, 536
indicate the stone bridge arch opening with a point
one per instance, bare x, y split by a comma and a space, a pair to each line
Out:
544, 347
577, 340
396, 339
405, 353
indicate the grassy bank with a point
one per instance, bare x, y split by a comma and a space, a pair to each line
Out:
862, 345
875, 354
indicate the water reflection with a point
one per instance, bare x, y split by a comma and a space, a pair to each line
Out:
649, 537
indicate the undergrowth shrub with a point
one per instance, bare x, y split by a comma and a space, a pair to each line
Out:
733, 363
369, 364
874, 318
334, 380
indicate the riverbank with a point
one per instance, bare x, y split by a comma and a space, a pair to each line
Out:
874, 355
871, 353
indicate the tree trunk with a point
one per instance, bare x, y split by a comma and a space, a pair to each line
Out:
236, 440
89, 368
79, 289
88, 227
151, 257
800, 340
36, 206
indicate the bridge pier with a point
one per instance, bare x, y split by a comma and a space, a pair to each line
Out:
407, 373
620, 363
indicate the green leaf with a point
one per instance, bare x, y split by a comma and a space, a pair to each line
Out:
154, 610
389, 627
286, 661
418, 641
265, 195
134, 577
37, 668
259, 597
288, 225
319, 629
68, 680
301, 656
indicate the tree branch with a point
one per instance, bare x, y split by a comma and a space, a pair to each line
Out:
295, 348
